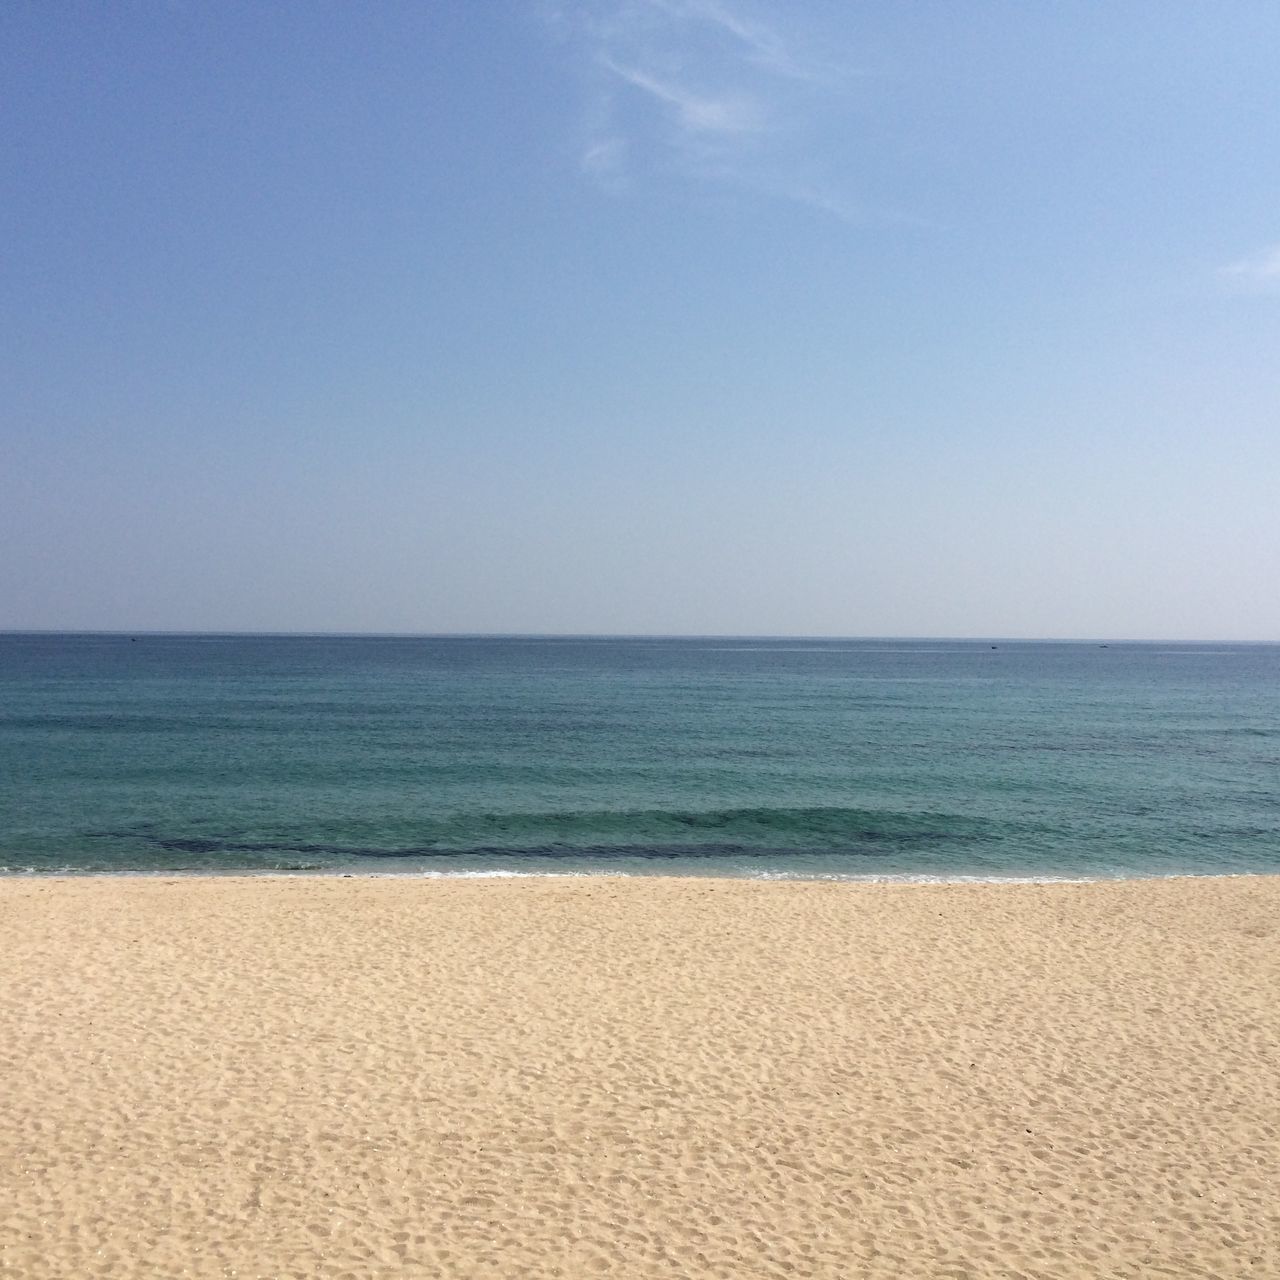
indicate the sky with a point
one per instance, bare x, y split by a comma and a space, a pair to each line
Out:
641, 317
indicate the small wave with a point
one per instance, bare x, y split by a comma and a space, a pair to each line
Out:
611, 834
911, 877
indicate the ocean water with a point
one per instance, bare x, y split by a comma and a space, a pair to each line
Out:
738, 757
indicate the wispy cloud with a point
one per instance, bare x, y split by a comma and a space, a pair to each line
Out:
761, 43
706, 91
1260, 272
604, 157
696, 112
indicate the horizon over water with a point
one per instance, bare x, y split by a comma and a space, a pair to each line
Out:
172, 752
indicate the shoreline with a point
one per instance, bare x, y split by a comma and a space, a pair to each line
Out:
283, 1075
767, 877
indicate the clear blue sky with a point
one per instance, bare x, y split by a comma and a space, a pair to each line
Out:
642, 316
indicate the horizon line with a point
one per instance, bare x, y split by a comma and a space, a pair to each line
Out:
618, 635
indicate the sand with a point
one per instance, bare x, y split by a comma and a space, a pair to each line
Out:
569, 1077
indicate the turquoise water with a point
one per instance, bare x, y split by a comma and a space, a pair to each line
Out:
723, 757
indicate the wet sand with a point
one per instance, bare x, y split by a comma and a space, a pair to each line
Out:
568, 1077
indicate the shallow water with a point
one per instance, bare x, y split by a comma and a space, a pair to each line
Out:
726, 757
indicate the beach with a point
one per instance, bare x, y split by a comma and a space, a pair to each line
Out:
375, 1076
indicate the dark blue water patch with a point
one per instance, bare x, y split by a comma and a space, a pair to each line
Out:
575, 852
744, 832
808, 824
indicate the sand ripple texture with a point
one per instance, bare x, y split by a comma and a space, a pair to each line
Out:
377, 1077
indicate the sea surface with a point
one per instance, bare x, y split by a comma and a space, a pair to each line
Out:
737, 757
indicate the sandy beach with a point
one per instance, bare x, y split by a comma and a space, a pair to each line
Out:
567, 1077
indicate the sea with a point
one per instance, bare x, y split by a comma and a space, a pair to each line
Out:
774, 758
